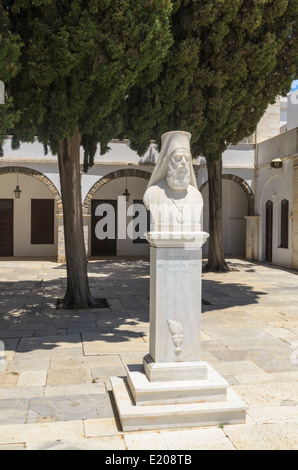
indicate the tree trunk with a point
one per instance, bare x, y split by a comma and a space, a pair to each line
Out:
77, 293
216, 258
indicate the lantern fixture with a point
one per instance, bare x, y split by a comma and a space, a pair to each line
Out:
17, 191
126, 193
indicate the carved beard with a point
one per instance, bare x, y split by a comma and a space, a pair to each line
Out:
178, 178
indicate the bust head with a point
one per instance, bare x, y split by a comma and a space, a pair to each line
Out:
174, 163
178, 170
172, 195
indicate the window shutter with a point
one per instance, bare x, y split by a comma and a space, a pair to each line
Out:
42, 221
284, 222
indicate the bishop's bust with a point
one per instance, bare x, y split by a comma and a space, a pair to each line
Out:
172, 195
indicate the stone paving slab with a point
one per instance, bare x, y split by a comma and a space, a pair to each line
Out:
101, 427
273, 414
40, 432
77, 389
111, 343
68, 376
29, 364
54, 385
21, 392
278, 436
32, 378
49, 342
68, 408
268, 394
194, 439
111, 443
13, 411
49, 353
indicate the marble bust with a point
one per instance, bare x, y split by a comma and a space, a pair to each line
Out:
172, 195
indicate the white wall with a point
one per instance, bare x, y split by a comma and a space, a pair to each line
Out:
120, 152
31, 189
237, 160
269, 125
275, 185
234, 225
239, 156
47, 168
27, 151
292, 110
278, 147
98, 171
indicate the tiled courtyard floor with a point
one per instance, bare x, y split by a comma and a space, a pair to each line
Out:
55, 390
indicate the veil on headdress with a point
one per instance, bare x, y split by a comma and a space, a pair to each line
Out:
171, 141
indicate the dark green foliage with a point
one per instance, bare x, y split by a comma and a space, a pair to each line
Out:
9, 62
79, 60
229, 60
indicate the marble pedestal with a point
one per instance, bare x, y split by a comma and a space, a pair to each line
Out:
173, 387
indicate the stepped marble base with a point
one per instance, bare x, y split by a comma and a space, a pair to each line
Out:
168, 371
145, 392
144, 405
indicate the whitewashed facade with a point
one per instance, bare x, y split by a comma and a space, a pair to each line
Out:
252, 192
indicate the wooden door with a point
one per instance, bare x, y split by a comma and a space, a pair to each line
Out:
6, 227
108, 245
269, 231
42, 221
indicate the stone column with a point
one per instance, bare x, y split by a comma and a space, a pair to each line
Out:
252, 237
86, 228
61, 242
295, 217
175, 299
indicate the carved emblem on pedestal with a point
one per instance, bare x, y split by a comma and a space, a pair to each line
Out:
177, 333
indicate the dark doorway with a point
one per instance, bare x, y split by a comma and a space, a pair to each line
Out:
284, 224
42, 221
269, 231
6, 227
108, 245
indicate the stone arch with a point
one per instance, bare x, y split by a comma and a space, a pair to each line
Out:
37, 175
246, 188
132, 172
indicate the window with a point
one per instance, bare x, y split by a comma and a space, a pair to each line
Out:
284, 224
269, 231
42, 221
141, 222
6, 227
6, 204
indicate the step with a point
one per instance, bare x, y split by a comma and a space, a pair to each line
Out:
144, 392
180, 415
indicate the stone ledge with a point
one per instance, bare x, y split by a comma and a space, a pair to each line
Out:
211, 389
165, 372
141, 418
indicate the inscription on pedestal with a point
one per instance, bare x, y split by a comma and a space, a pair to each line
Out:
176, 300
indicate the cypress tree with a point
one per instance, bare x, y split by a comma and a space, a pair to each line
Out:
230, 59
79, 59
9, 64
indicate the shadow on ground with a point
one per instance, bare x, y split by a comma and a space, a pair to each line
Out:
220, 295
29, 319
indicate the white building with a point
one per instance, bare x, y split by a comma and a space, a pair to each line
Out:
260, 202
